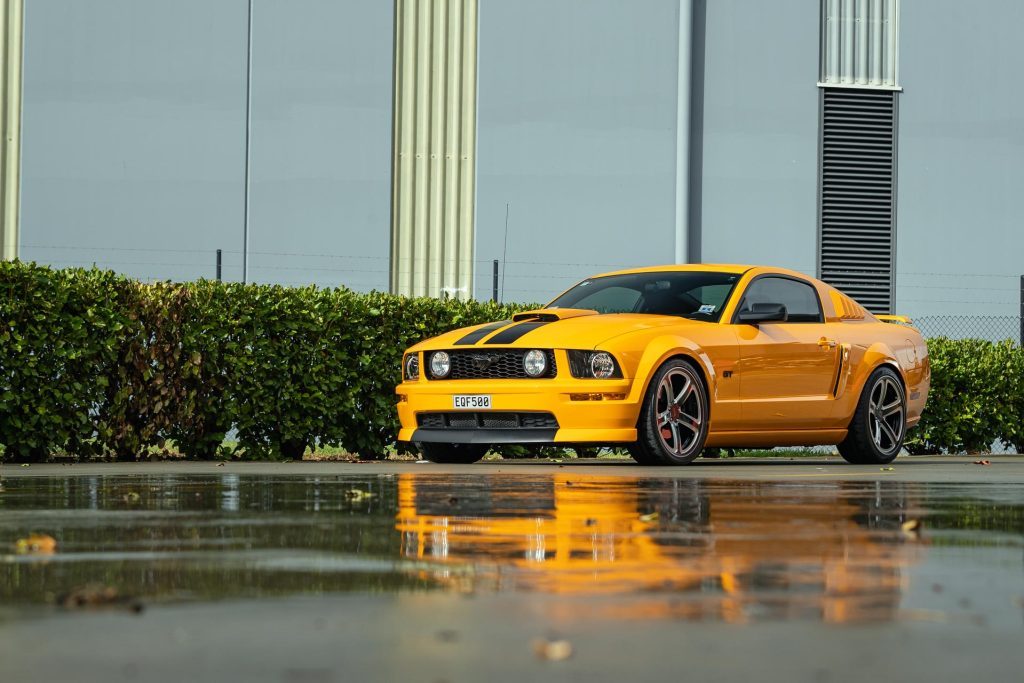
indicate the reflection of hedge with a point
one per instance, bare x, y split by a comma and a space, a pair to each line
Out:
91, 362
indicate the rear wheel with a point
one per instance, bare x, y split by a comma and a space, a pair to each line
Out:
880, 422
453, 453
673, 421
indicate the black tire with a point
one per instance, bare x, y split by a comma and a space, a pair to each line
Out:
673, 422
640, 455
879, 423
453, 453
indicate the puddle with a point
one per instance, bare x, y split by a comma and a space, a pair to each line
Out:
611, 546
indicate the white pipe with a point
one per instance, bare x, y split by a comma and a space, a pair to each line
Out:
684, 46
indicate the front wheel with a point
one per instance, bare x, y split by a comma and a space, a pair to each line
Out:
879, 423
673, 421
453, 453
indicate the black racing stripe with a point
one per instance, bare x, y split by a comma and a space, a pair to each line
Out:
510, 334
481, 332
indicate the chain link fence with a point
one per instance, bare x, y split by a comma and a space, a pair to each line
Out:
990, 327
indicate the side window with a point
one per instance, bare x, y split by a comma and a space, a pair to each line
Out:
799, 298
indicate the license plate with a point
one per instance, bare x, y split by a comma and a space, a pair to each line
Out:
471, 402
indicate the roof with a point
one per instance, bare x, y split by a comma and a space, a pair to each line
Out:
738, 269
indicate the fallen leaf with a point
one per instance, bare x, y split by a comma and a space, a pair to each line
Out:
447, 635
357, 495
649, 518
24, 464
886, 469
36, 544
982, 462
552, 650
220, 464
911, 527
95, 595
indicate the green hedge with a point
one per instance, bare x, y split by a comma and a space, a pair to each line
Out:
976, 398
94, 363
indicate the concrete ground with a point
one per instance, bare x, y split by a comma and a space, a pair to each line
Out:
954, 613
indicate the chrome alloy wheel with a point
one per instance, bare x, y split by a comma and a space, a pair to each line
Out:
679, 412
886, 415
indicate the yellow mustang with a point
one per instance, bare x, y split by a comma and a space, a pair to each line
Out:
669, 360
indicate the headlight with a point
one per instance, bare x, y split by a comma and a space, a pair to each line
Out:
412, 366
440, 364
593, 365
535, 363
602, 366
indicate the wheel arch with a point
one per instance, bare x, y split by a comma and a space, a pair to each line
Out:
875, 356
664, 349
879, 361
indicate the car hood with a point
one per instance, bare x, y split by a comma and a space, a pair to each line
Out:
573, 329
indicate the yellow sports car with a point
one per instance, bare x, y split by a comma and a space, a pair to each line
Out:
667, 361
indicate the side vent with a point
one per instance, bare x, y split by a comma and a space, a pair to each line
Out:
857, 207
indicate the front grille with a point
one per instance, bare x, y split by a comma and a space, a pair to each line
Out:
494, 365
470, 420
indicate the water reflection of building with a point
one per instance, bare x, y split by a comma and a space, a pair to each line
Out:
706, 550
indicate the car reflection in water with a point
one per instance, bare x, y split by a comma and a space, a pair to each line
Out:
734, 551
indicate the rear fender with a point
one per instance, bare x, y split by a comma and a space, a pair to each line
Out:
875, 356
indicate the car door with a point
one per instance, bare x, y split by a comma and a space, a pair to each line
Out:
786, 369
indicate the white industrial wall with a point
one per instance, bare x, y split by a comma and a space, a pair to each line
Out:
760, 135
960, 225
133, 148
134, 130
577, 115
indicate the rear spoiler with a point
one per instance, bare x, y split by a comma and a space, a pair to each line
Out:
895, 319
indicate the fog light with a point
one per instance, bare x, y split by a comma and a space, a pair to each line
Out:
440, 364
535, 363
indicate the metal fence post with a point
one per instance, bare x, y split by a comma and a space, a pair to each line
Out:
494, 283
218, 264
1022, 310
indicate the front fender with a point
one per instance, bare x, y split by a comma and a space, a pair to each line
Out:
659, 350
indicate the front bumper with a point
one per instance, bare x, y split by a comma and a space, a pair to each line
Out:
608, 420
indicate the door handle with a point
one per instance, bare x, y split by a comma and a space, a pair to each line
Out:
827, 343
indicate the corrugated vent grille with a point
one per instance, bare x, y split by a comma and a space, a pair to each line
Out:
858, 166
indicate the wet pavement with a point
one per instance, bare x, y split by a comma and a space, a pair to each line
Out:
805, 570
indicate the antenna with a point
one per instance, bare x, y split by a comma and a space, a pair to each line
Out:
504, 255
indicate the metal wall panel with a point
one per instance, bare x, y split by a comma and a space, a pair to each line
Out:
859, 43
10, 125
578, 138
434, 147
858, 194
961, 158
760, 140
133, 136
321, 143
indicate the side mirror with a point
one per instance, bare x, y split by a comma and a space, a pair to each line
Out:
763, 313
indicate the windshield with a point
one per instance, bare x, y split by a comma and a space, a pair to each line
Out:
688, 294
